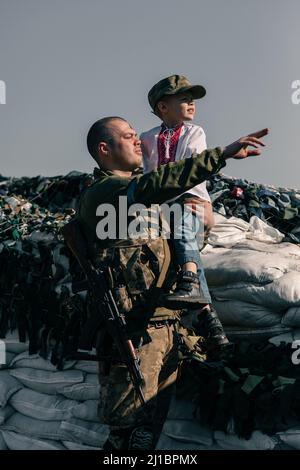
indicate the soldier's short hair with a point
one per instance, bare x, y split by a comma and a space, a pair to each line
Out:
99, 132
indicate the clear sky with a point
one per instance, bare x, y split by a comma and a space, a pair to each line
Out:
67, 63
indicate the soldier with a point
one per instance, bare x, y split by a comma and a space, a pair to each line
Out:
138, 270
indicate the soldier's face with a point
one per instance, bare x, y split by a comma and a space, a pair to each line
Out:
126, 153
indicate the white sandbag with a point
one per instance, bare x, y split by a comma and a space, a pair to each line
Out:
167, 443
5, 412
75, 446
87, 390
228, 232
292, 317
278, 295
182, 411
228, 266
257, 441
286, 338
91, 367
16, 441
188, 431
86, 432
13, 344
9, 356
41, 406
291, 437
261, 231
45, 381
8, 386
236, 312
35, 361
3, 445
237, 333
283, 249
88, 410
35, 428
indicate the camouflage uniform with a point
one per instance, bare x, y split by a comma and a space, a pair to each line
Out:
155, 331
119, 406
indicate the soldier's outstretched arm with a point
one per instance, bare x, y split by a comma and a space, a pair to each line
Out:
173, 179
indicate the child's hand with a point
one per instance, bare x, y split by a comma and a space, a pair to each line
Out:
239, 150
203, 209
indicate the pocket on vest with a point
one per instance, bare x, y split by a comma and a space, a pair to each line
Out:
136, 270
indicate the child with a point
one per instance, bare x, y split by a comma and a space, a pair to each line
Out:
172, 100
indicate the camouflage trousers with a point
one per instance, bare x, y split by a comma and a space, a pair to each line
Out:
120, 406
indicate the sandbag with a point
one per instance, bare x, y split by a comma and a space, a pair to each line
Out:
229, 266
5, 412
91, 367
286, 338
13, 343
35, 428
8, 386
188, 431
292, 317
237, 333
261, 231
9, 356
167, 443
283, 249
86, 432
229, 231
236, 312
87, 390
3, 445
16, 441
35, 361
88, 410
291, 437
75, 446
45, 381
41, 406
278, 295
257, 441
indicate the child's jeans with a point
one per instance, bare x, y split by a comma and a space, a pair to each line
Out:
187, 239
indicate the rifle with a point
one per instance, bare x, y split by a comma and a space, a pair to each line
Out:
107, 310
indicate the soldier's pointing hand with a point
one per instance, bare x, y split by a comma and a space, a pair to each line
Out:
240, 148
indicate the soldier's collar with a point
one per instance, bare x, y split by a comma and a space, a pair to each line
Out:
100, 172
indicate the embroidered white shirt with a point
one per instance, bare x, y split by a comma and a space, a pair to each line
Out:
192, 139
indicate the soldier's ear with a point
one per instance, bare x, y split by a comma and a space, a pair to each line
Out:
103, 148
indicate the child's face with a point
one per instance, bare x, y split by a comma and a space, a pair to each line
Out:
178, 108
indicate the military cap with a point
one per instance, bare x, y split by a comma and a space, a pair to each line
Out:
171, 86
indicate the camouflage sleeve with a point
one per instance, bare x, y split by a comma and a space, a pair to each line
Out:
173, 179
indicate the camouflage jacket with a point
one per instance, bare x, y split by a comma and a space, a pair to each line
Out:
165, 183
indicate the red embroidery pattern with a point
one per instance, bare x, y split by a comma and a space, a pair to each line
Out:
167, 143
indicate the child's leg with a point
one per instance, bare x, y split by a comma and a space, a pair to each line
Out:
192, 289
187, 237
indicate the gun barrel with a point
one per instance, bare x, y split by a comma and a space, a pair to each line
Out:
141, 395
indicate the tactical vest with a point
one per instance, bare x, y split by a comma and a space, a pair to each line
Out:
141, 269
140, 272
